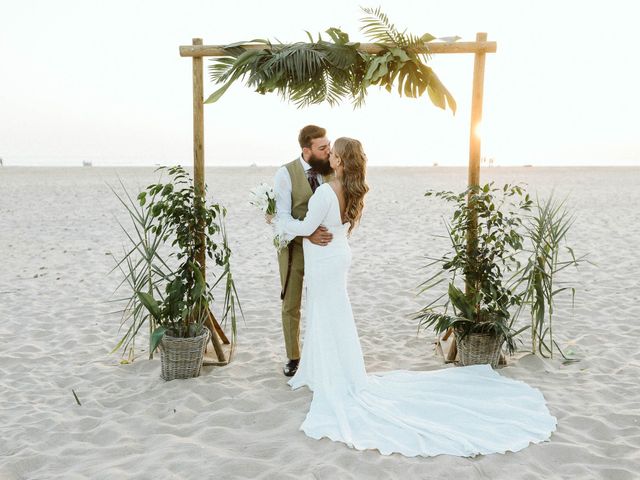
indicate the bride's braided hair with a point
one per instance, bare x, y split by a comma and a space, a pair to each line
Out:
353, 180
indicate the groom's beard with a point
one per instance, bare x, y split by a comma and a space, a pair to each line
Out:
323, 167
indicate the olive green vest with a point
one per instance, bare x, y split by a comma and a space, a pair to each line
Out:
300, 189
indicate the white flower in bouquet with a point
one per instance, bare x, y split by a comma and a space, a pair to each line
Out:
264, 198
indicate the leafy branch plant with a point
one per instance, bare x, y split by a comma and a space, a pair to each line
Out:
484, 305
331, 71
178, 298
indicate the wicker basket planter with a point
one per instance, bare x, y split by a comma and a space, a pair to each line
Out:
182, 357
479, 348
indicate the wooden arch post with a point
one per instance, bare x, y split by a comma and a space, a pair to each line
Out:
477, 93
218, 338
479, 48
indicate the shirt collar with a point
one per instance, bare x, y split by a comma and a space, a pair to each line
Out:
305, 165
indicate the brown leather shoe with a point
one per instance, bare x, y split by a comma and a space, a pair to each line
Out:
290, 368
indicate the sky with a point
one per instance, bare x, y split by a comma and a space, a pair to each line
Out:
103, 81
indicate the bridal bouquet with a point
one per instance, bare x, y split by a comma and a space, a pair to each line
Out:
264, 198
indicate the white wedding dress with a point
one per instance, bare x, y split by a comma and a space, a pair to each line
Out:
462, 411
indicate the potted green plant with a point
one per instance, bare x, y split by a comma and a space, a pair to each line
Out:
479, 294
164, 274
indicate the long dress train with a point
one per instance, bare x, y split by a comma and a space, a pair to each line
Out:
461, 411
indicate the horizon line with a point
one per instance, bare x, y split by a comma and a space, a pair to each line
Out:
525, 165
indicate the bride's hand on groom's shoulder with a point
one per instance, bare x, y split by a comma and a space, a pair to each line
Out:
321, 236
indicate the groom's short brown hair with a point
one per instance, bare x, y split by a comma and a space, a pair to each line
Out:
309, 133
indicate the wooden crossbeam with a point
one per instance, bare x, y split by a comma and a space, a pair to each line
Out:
430, 48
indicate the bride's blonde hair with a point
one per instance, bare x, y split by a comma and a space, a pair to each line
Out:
354, 185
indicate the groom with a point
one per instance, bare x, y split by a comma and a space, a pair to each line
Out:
294, 183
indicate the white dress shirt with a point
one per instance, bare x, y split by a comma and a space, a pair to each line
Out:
282, 189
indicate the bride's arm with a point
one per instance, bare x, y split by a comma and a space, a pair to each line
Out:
318, 208
282, 191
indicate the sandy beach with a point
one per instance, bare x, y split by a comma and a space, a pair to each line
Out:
58, 227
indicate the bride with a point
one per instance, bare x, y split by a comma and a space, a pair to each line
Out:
461, 411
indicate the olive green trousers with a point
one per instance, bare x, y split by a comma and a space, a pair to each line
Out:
292, 295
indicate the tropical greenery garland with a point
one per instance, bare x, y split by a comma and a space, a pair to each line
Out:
331, 71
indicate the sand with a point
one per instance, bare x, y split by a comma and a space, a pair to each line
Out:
58, 226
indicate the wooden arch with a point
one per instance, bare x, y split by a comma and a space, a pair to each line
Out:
197, 51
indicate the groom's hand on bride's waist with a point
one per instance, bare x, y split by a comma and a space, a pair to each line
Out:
321, 236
